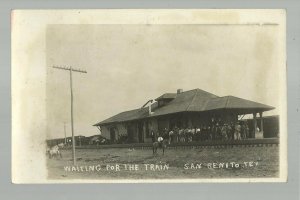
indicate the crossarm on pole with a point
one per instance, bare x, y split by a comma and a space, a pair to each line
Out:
69, 68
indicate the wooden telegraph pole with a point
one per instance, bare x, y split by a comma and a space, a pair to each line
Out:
70, 69
65, 133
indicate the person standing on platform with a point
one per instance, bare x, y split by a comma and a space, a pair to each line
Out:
247, 130
165, 134
153, 137
237, 131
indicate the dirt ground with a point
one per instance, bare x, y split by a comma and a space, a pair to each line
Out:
124, 163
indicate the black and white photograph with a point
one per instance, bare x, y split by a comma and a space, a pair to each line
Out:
149, 96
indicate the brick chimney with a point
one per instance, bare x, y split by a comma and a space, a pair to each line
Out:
179, 91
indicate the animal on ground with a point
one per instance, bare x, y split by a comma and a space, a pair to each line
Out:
61, 145
54, 152
163, 144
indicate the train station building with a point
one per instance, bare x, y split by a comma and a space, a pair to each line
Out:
182, 109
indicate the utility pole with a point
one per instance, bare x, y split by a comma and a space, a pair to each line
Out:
65, 133
70, 69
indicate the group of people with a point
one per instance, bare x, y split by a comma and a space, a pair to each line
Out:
217, 131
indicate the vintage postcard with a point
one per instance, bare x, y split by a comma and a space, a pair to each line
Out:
149, 96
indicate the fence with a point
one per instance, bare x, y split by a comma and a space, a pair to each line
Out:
207, 144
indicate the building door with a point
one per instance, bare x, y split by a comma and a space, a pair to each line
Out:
129, 133
163, 124
112, 134
140, 132
132, 133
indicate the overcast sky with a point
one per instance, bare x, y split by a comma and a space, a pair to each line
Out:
129, 64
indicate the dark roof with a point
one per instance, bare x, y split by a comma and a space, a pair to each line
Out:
192, 100
129, 115
167, 96
196, 100
234, 102
242, 106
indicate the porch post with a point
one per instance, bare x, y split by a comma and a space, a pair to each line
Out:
254, 125
261, 122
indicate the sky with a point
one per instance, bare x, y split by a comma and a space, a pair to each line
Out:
129, 64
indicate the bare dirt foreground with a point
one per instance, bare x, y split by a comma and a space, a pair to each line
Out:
124, 163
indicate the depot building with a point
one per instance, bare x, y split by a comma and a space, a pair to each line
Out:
182, 109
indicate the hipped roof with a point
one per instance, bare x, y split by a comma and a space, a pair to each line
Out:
196, 100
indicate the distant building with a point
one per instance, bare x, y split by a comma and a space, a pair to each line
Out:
79, 141
193, 108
